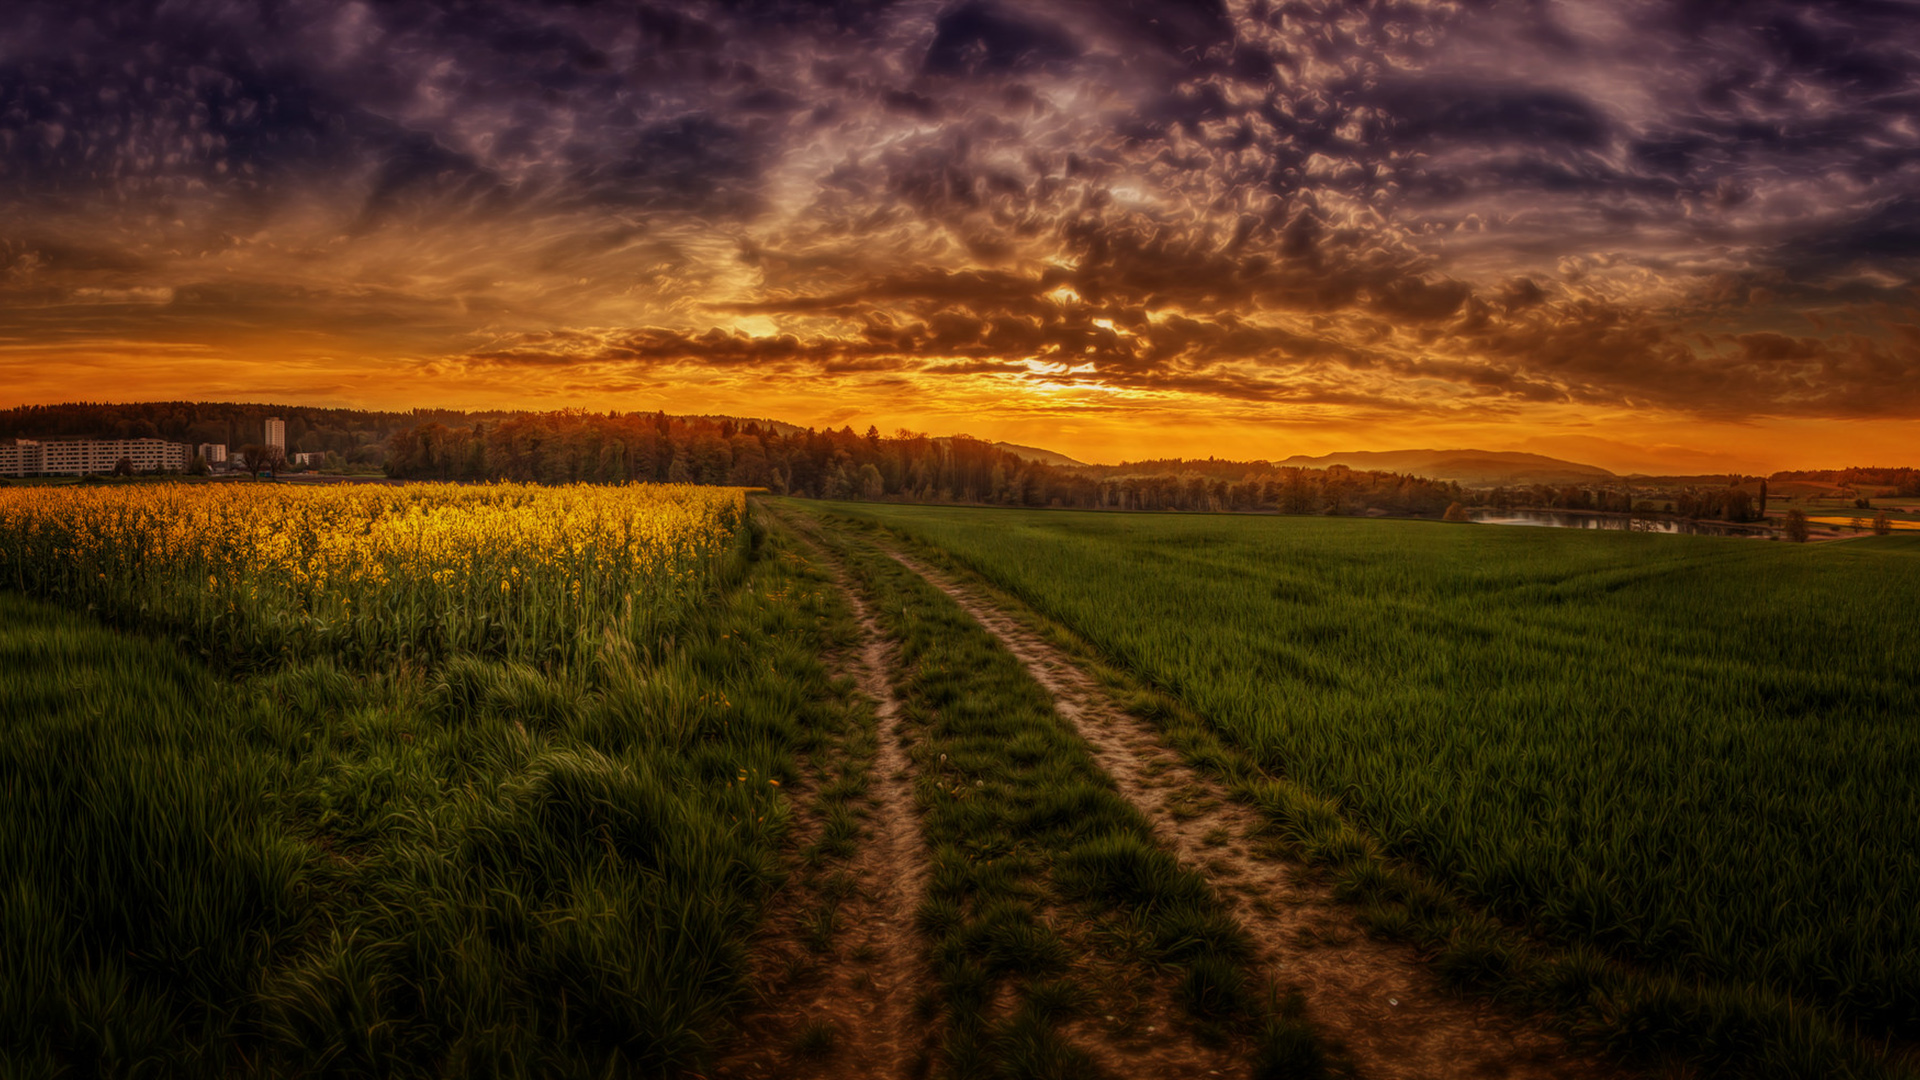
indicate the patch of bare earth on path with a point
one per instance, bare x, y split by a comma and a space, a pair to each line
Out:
849, 1012
1388, 1010
1140, 1031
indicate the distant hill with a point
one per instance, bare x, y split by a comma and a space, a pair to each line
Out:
1475, 468
1035, 453
1694, 479
780, 426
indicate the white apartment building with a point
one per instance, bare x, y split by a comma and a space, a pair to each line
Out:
78, 457
277, 433
21, 458
212, 453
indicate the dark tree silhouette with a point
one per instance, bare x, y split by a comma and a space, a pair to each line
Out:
1797, 526
259, 458
575, 447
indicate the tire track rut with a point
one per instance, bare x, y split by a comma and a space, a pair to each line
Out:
868, 991
1387, 1009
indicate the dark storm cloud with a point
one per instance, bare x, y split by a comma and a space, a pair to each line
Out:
1500, 203
1886, 236
976, 38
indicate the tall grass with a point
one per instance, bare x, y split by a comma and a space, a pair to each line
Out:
486, 866
1695, 754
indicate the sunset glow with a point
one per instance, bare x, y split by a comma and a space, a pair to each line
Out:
1649, 236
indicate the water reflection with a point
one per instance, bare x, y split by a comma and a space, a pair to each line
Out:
1563, 519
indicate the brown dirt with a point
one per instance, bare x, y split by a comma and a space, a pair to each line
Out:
1388, 1010
865, 990
1134, 1027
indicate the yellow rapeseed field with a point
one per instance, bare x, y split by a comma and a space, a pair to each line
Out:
1861, 522
374, 572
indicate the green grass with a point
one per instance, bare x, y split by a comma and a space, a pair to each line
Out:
483, 868
1695, 755
1033, 854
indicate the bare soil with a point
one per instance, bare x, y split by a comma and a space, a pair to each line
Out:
850, 1012
1392, 1014
1131, 1025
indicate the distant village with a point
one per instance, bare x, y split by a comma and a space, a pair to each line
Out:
101, 457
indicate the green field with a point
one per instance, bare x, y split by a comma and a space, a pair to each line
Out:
1697, 754
574, 781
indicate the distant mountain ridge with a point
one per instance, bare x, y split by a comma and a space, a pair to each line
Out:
1041, 455
1478, 468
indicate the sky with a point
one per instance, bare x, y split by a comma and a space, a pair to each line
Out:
1653, 236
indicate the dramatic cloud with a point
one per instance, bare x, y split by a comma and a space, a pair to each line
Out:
1491, 220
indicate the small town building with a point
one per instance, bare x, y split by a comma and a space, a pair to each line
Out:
81, 457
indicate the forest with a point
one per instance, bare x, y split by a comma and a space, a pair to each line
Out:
1906, 480
357, 435
1731, 502
571, 447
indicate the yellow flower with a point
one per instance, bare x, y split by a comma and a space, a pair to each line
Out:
385, 565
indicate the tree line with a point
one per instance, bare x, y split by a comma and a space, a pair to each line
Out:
1906, 481
566, 447
358, 436
1699, 502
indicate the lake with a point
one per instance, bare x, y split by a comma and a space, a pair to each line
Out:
1563, 519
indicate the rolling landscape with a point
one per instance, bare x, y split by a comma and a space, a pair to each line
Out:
816, 540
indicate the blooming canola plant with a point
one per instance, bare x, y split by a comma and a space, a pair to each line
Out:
368, 572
